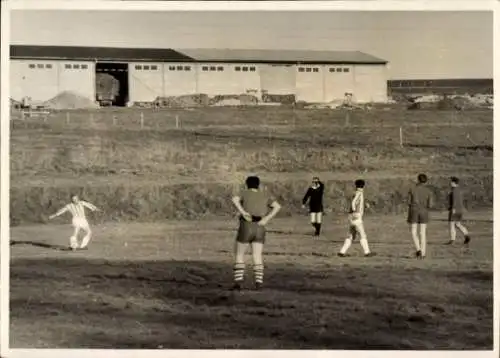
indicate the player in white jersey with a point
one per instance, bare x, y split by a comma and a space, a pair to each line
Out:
77, 210
355, 217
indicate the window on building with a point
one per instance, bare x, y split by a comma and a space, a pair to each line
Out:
204, 68
180, 68
237, 68
252, 69
171, 68
31, 65
315, 69
220, 69
245, 69
346, 70
76, 66
40, 65
146, 67
301, 69
154, 68
212, 68
309, 69
85, 67
332, 69
187, 68
339, 69
48, 65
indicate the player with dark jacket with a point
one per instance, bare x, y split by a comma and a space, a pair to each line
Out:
314, 195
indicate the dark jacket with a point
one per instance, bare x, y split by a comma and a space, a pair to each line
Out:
315, 197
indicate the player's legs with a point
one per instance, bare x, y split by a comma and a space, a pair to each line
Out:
239, 262
348, 241
73, 240
88, 235
423, 238
414, 236
316, 222
258, 264
360, 228
453, 231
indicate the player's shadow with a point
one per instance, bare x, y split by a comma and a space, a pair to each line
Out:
188, 304
39, 244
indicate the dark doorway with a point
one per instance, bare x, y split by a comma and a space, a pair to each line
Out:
112, 84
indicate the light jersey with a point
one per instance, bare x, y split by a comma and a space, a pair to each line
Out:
358, 204
78, 209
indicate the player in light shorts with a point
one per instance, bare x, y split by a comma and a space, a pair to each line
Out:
355, 218
79, 221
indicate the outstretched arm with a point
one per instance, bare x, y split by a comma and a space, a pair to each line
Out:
90, 206
60, 212
237, 202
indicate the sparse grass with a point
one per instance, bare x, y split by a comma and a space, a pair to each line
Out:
165, 286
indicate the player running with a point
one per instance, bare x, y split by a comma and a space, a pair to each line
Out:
314, 195
79, 221
253, 205
455, 212
356, 226
419, 204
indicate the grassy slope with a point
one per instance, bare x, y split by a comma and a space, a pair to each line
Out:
149, 174
162, 286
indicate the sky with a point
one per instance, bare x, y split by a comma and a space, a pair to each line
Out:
424, 44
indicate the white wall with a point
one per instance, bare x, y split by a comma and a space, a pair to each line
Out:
145, 81
179, 79
80, 78
370, 83
309, 83
43, 80
339, 79
217, 79
278, 79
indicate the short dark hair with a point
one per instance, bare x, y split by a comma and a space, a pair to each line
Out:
454, 180
253, 182
422, 178
360, 184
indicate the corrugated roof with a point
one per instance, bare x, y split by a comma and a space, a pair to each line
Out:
192, 55
280, 56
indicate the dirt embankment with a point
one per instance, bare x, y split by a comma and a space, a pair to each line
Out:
156, 201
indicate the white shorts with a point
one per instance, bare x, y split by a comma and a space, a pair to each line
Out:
316, 217
81, 223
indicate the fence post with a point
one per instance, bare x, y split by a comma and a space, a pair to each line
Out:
67, 117
401, 137
142, 120
177, 121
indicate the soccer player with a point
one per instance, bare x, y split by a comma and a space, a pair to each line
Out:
314, 195
79, 221
356, 226
455, 212
419, 204
253, 204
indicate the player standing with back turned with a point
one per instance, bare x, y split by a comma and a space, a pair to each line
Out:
314, 195
419, 204
253, 205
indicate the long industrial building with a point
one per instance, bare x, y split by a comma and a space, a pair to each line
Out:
42, 72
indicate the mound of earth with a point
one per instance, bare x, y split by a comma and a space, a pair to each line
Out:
70, 100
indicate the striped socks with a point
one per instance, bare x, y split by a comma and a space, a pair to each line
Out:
238, 272
258, 272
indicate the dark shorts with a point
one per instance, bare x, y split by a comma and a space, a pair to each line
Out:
316, 209
416, 216
249, 232
455, 217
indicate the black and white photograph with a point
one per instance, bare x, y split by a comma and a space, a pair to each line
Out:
250, 179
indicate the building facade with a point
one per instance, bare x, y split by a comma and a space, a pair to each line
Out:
42, 72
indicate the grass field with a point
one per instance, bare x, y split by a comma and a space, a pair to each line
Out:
157, 271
